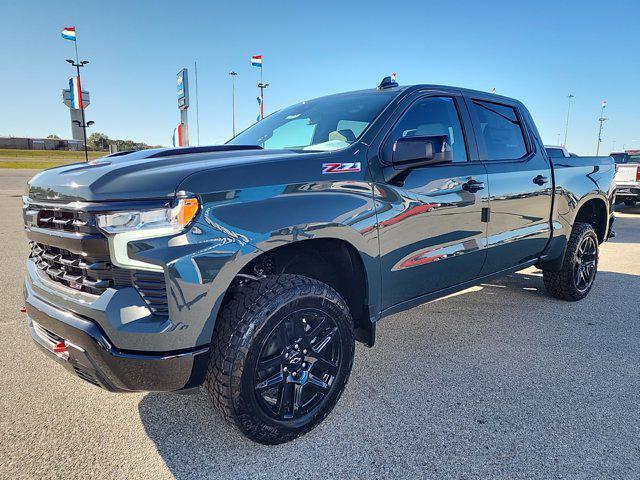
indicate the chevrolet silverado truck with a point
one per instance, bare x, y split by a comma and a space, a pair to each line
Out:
627, 177
253, 267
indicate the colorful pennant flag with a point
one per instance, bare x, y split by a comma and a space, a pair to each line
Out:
256, 61
69, 33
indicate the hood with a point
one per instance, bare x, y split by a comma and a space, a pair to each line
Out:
142, 175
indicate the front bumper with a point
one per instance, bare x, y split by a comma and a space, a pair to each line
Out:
91, 356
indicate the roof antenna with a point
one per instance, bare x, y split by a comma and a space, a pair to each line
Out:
388, 82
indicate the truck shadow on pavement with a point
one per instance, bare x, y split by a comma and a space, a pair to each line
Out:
500, 379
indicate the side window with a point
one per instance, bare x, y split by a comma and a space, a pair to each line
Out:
434, 117
555, 152
500, 130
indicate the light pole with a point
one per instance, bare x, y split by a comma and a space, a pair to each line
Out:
233, 100
84, 129
79, 64
566, 127
602, 119
262, 86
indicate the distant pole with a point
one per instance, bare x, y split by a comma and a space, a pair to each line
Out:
602, 119
566, 127
197, 109
78, 64
262, 86
558, 140
233, 75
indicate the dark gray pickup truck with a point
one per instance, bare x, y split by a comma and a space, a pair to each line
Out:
252, 267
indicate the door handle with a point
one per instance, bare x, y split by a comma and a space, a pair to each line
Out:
473, 186
540, 180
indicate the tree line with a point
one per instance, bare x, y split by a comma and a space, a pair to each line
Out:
101, 142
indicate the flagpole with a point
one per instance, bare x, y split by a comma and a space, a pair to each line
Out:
81, 103
75, 43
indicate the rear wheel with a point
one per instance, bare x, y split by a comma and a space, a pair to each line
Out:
282, 353
579, 267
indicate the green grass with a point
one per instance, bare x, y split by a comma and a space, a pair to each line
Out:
41, 159
32, 165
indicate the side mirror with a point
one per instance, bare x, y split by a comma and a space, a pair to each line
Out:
413, 152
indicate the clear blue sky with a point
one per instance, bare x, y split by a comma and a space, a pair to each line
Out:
536, 51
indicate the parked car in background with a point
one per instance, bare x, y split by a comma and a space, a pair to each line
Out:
627, 176
558, 151
252, 267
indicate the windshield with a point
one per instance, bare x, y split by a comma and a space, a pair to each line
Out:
323, 124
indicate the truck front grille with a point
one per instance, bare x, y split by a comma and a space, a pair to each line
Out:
69, 249
76, 271
67, 220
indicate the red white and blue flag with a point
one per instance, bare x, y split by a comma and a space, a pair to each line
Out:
256, 61
179, 136
69, 33
604, 103
76, 93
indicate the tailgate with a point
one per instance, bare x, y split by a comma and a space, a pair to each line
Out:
626, 173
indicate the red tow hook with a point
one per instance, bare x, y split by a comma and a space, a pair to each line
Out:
23, 309
60, 348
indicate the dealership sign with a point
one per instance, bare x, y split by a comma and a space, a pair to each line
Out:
183, 89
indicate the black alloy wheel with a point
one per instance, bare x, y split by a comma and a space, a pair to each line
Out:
298, 364
584, 270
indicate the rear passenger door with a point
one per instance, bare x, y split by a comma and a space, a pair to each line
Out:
520, 183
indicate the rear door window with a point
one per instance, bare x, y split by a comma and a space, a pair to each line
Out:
500, 130
555, 152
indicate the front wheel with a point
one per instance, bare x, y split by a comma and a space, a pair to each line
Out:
282, 353
579, 266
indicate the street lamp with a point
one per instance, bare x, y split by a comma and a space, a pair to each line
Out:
233, 99
84, 125
262, 86
84, 129
566, 127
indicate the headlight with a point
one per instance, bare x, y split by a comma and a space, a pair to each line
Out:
170, 220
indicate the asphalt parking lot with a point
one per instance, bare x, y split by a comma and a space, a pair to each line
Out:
500, 381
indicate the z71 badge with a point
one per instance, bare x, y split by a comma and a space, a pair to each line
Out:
340, 167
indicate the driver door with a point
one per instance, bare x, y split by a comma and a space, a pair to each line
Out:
430, 218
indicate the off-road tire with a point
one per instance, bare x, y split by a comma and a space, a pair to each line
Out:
561, 284
249, 315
